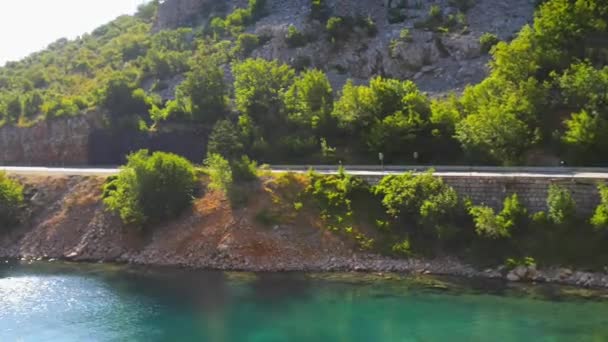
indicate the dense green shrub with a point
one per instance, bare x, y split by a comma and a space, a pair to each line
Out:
294, 37
151, 188
225, 140
497, 226
561, 205
202, 96
334, 196
244, 169
487, 41
497, 116
231, 177
423, 199
402, 248
220, 173
600, 217
246, 43
11, 200
388, 114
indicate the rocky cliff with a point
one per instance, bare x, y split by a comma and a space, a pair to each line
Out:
440, 53
63, 141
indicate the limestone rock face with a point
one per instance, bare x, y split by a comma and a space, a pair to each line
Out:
50, 142
451, 59
176, 13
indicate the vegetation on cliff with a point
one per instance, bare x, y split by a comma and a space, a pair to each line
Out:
403, 215
11, 200
546, 90
420, 215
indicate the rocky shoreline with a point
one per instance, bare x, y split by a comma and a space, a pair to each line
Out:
366, 263
67, 221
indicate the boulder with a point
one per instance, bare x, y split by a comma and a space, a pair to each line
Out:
512, 276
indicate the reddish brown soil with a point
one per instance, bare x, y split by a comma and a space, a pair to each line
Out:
66, 218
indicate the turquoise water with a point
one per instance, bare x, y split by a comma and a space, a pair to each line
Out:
64, 302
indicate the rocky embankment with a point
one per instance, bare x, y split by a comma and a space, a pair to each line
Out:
66, 220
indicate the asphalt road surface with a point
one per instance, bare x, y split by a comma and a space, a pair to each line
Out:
359, 170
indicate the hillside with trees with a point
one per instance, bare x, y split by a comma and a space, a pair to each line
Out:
544, 97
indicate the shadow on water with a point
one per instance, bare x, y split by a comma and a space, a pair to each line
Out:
279, 289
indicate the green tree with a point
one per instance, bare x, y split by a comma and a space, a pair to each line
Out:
387, 114
259, 87
309, 100
584, 86
202, 96
500, 119
124, 102
225, 140
586, 136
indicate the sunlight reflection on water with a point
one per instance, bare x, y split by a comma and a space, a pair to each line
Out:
108, 303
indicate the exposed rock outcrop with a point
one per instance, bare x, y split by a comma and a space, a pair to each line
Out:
63, 141
438, 62
176, 13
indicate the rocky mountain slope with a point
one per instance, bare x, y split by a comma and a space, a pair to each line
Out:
440, 56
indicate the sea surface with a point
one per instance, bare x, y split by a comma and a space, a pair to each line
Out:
92, 302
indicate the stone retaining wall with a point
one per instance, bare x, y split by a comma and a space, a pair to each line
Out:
532, 191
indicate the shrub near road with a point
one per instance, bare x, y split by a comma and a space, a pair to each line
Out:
151, 188
11, 199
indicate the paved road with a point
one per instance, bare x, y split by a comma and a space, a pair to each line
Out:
447, 171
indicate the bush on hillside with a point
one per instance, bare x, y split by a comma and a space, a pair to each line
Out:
294, 37
561, 205
600, 217
220, 173
423, 199
497, 226
225, 140
334, 195
246, 43
230, 176
244, 169
487, 41
11, 200
151, 188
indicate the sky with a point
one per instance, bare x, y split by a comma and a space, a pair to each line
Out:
27, 26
